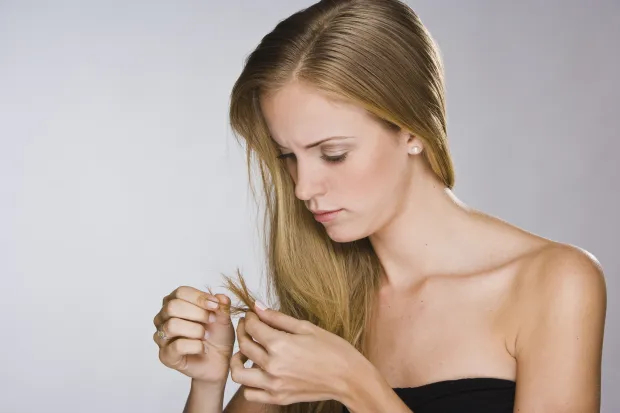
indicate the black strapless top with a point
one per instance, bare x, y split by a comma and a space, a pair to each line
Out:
469, 395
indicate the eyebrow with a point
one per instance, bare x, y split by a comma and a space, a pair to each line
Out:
312, 145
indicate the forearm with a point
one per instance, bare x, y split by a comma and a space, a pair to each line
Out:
368, 392
205, 398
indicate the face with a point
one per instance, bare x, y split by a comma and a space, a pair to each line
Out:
363, 170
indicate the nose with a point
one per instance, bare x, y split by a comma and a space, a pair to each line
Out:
308, 181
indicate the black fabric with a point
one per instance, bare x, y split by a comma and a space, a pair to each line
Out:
469, 395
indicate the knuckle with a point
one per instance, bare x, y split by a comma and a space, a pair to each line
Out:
182, 289
280, 398
246, 394
276, 346
164, 311
248, 326
234, 375
276, 385
180, 292
165, 327
173, 305
306, 326
170, 308
269, 367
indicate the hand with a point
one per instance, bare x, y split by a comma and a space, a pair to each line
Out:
298, 361
185, 317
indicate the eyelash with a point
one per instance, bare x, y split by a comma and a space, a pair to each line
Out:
330, 159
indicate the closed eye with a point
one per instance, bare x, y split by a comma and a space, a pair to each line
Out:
331, 159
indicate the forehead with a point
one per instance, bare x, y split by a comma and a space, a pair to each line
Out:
298, 114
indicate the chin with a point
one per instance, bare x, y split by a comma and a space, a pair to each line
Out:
343, 236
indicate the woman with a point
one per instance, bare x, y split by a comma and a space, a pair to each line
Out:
402, 298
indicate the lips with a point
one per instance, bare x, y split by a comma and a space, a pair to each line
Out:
327, 216
323, 212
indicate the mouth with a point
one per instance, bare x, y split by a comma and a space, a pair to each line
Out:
324, 216
324, 211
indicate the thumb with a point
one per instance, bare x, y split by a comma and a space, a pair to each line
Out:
223, 311
221, 330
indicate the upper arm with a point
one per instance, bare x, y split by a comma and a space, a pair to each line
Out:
559, 344
239, 404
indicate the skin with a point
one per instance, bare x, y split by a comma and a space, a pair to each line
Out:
464, 294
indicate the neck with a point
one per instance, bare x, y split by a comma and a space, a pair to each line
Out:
427, 234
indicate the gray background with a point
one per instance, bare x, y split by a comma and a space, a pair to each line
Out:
120, 179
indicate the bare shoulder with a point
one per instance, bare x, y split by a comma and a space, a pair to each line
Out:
561, 304
562, 268
563, 281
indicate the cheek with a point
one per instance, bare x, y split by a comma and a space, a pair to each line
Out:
372, 180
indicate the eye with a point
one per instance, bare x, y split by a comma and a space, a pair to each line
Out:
335, 159
330, 159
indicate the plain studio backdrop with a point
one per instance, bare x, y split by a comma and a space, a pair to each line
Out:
121, 180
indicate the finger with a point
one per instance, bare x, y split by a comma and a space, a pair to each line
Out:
238, 360
161, 342
252, 377
177, 327
250, 348
158, 340
194, 296
181, 309
237, 363
283, 322
174, 353
260, 396
261, 332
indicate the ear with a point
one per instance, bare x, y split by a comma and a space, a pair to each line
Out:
409, 138
414, 140
411, 141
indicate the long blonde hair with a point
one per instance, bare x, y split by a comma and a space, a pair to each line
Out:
377, 55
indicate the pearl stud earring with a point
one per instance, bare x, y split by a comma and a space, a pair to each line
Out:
414, 150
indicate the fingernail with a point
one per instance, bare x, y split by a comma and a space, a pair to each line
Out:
211, 304
207, 334
211, 317
260, 305
206, 349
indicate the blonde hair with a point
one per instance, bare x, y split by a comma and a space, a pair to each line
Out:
377, 55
